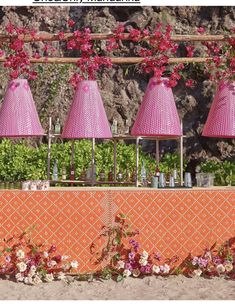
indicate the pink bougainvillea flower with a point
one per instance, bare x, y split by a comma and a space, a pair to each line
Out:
61, 35
190, 83
10, 28
201, 30
71, 23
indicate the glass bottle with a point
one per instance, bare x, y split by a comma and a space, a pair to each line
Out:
157, 172
57, 126
127, 128
128, 174
64, 172
72, 173
110, 175
143, 175
114, 127
175, 173
55, 171
119, 176
102, 176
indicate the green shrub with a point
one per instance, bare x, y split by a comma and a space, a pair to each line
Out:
22, 162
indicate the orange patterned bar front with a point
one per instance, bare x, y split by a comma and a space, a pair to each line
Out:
173, 222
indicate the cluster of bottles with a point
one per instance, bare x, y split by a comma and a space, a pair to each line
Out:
114, 127
55, 175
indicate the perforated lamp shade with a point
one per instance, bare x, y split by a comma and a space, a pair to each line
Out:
221, 119
18, 114
157, 115
87, 117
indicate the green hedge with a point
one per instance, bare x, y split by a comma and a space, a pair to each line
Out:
22, 162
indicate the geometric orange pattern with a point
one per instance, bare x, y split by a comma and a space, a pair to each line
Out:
172, 222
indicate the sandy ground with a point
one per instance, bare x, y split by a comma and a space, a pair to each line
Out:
149, 288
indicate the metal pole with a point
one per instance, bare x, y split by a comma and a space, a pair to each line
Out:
181, 155
115, 159
137, 162
49, 150
157, 152
93, 179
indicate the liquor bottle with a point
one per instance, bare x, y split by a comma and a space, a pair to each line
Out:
128, 174
55, 171
120, 176
82, 176
63, 172
114, 127
102, 176
72, 173
157, 172
57, 126
143, 175
110, 175
175, 173
127, 128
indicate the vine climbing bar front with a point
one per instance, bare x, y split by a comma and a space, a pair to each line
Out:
115, 60
45, 36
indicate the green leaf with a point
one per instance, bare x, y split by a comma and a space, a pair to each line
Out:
119, 278
8, 249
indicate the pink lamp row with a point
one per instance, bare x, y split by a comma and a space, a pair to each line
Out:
157, 115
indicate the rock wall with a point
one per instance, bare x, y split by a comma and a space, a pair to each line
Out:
122, 88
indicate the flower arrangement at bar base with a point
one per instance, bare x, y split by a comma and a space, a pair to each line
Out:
137, 264
213, 262
27, 262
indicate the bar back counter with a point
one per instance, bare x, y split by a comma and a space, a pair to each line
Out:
170, 221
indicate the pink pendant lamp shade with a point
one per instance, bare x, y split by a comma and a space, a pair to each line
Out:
18, 114
157, 115
221, 119
87, 117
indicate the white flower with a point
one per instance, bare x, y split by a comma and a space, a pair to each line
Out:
63, 258
121, 264
51, 263
21, 266
220, 268
166, 269
156, 269
28, 280
45, 254
195, 261
20, 254
126, 273
49, 278
143, 261
37, 280
144, 255
228, 266
33, 269
136, 272
61, 276
197, 272
19, 277
74, 264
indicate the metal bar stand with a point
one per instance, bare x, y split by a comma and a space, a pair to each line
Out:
49, 150
93, 175
137, 162
181, 156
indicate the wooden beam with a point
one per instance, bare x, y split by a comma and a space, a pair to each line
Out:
115, 60
50, 37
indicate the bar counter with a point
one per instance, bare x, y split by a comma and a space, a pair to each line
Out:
170, 221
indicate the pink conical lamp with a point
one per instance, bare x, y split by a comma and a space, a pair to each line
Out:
221, 119
87, 117
18, 114
157, 115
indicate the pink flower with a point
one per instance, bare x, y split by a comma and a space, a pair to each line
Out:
190, 83
61, 35
71, 23
14, 74
201, 30
10, 28
17, 45
190, 50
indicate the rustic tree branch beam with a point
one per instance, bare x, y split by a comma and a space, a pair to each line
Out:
117, 60
44, 36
